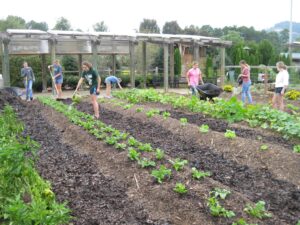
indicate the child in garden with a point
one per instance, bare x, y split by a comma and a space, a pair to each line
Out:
109, 81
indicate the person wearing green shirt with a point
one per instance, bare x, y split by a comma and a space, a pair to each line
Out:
94, 82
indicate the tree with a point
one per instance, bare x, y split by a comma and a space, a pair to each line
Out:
69, 63
206, 30
149, 26
100, 27
177, 62
233, 36
192, 30
265, 51
33, 25
12, 22
62, 24
172, 27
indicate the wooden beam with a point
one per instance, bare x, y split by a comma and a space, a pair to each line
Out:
44, 73
132, 63
144, 52
172, 63
166, 66
114, 64
5, 62
222, 69
52, 44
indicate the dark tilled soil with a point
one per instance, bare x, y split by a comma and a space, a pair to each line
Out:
92, 197
283, 198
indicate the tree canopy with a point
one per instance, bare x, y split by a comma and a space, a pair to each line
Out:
62, 24
100, 27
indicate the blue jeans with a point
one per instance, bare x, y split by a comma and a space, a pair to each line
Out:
193, 90
246, 91
28, 87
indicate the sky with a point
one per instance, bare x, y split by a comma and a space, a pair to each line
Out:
124, 16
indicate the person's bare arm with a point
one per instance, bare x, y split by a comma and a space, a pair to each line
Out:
120, 85
78, 84
99, 83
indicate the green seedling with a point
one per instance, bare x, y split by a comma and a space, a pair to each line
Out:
120, 146
296, 149
128, 106
183, 121
216, 209
144, 162
100, 136
133, 142
242, 222
204, 128
198, 174
111, 140
159, 154
180, 188
264, 147
161, 174
166, 115
133, 154
139, 110
145, 147
152, 113
298, 223
230, 134
178, 164
220, 193
258, 211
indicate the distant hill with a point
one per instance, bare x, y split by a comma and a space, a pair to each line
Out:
286, 25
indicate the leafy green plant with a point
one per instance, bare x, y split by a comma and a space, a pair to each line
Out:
133, 142
152, 113
216, 209
242, 222
228, 88
128, 106
120, 146
166, 115
230, 134
180, 188
144, 162
298, 223
198, 174
292, 94
258, 211
264, 147
183, 121
139, 110
133, 154
111, 140
159, 154
220, 193
145, 147
178, 164
204, 128
296, 149
161, 174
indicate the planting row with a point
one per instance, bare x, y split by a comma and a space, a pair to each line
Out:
232, 110
146, 157
25, 197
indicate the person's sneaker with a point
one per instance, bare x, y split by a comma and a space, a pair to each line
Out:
108, 96
31, 98
28, 100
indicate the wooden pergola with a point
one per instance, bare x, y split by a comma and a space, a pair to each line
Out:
53, 43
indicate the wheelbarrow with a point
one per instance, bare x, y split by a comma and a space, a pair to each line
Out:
208, 91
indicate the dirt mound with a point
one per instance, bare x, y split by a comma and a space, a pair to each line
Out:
7, 97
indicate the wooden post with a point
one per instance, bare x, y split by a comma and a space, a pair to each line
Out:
114, 64
222, 69
44, 73
5, 62
144, 50
95, 44
196, 52
172, 72
79, 64
53, 57
132, 64
166, 66
266, 81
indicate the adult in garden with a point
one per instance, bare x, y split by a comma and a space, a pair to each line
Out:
94, 81
28, 76
193, 76
281, 84
111, 80
245, 75
57, 76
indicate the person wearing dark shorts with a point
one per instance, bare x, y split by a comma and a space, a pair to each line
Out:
94, 81
57, 76
281, 84
109, 81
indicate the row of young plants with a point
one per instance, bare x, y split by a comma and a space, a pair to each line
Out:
25, 198
204, 128
231, 110
147, 157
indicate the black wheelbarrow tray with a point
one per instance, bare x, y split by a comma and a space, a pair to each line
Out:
208, 91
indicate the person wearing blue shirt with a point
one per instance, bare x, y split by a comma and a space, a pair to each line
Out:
57, 76
109, 81
28, 75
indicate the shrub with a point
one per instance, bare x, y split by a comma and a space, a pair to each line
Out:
228, 88
292, 94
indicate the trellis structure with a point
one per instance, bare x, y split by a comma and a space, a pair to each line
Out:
53, 43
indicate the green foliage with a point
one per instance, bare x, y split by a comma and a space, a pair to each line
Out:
177, 62
62, 24
230, 134
159, 154
100, 27
258, 211
204, 128
266, 52
178, 164
183, 121
228, 88
139, 110
180, 188
296, 148
161, 174
149, 26
111, 140
133, 154
216, 209
120, 146
264, 147
166, 115
33, 25
298, 223
12, 22
128, 106
171, 27
292, 95
70, 64
133, 142
220, 193
144, 162
145, 147
76, 98
152, 112
242, 222
198, 174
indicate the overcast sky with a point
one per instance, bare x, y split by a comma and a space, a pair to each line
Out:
125, 15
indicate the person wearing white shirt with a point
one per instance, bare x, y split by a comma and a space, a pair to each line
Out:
281, 84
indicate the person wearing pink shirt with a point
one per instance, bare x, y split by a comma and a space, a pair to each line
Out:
193, 77
245, 75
